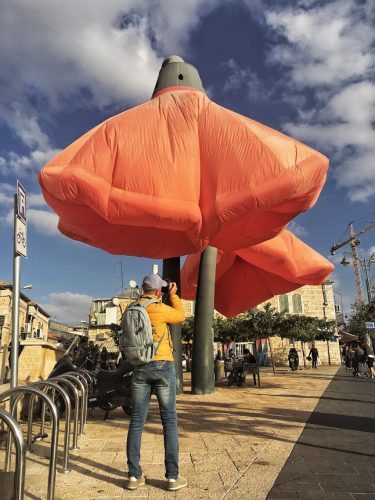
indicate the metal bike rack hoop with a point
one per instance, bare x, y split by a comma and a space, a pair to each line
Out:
65, 381
83, 379
15, 394
68, 412
84, 399
19, 479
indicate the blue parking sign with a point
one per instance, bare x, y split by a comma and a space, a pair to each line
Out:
370, 325
21, 201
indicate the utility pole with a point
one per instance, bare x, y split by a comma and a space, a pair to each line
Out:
356, 266
354, 242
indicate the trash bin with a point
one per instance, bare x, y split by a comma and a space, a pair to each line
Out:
219, 370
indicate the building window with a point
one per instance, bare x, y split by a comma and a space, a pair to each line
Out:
297, 303
284, 303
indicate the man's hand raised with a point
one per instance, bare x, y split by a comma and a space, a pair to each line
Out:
173, 289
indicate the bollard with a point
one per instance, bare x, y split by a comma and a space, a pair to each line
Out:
219, 370
15, 394
19, 479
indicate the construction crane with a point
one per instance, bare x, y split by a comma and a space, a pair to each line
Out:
354, 242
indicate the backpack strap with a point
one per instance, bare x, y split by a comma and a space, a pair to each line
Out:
148, 302
144, 305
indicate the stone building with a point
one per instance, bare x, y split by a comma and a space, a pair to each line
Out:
37, 356
33, 320
309, 300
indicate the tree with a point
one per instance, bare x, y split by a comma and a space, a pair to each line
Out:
263, 323
227, 330
188, 329
115, 332
361, 314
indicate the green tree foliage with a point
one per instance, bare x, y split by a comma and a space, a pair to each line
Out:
115, 331
361, 314
188, 329
259, 323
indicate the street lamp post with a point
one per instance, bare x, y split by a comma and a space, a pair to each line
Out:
342, 307
365, 266
325, 304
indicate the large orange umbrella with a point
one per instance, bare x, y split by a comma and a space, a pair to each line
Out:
177, 173
248, 277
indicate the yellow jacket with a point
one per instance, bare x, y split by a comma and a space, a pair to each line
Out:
160, 315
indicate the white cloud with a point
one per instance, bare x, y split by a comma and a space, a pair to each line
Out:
68, 307
57, 51
39, 215
297, 229
326, 44
243, 78
329, 49
44, 221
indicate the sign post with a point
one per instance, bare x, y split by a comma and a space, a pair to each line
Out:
19, 248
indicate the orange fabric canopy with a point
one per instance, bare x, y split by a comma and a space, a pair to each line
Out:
177, 173
248, 277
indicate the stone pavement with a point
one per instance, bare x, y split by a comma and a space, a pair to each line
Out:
233, 443
335, 454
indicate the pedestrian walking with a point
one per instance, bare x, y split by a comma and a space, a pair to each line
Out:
349, 357
357, 358
104, 358
157, 376
370, 364
314, 354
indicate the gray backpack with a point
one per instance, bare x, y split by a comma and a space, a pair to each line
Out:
136, 337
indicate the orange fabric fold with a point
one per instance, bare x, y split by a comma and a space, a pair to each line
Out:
248, 277
177, 173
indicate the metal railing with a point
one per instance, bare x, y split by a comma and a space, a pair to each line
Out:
15, 431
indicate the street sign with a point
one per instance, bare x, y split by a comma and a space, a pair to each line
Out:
370, 325
20, 237
21, 201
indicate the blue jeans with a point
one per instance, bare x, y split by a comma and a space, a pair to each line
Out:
160, 377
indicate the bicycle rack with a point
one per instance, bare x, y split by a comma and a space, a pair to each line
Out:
15, 395
90, 380
91, 383
72, 378
47, 385
19, 479
83, 379
60, 380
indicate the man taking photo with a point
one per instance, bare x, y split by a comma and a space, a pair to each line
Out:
157, 376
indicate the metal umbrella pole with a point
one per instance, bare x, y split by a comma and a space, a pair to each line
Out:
203, 376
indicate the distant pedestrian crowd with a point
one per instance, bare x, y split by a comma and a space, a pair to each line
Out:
359, 357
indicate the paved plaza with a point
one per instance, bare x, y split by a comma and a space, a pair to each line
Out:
236, 443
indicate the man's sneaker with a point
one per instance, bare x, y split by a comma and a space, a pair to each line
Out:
179, 483
133, 483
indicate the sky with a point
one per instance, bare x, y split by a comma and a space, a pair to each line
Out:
303, 67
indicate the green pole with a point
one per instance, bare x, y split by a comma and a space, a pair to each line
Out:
203, 376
